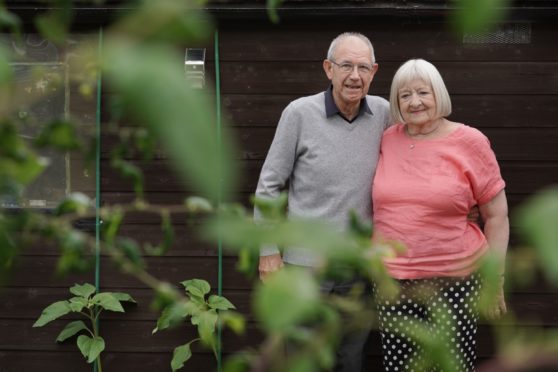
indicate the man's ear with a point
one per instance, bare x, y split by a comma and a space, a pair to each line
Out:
374, 68
328, 68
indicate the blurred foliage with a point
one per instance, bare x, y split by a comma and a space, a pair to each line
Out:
140, 62
474, 16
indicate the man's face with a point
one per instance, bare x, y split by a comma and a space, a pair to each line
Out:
349, 87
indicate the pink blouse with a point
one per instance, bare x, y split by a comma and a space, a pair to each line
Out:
422, 193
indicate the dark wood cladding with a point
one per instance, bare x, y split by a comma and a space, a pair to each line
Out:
508, 91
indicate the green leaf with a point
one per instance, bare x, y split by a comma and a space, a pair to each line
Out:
239, 362
73, 240
131, 251
77, 304
6, 70
168, 231
181, 117
74, 253
289, 296
111, 224
108, 302
233, 320
180, 355
165, 295
71, 329
272, 6
206, 327
54, 24
22, 166
121, 296
85, 290
167, 20
174, 314
76, 202
219, 303
131, 171
196, 287
272, 208
473, 16
536, 220
90, 347
52, 312
359, 228
60, 135
195, 204
9, 20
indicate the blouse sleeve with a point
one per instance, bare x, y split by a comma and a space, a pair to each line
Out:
484, 172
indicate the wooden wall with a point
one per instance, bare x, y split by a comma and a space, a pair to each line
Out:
508, 91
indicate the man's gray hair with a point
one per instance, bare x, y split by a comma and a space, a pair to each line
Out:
344, 35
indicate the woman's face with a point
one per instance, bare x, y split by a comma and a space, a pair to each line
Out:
417, 103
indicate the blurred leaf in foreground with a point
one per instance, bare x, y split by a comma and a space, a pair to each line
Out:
537, 221
478, 15
182, 117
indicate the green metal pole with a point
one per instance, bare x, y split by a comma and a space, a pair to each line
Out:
98, 180
219, 196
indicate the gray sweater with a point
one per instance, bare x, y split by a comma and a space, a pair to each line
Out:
328, 163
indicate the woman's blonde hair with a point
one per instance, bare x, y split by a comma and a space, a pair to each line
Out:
423, 70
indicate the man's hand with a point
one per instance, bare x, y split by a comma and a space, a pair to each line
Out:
269, 264
474, 215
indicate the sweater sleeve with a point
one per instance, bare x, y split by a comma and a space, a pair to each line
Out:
278, 164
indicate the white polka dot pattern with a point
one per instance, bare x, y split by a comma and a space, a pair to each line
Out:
443, 309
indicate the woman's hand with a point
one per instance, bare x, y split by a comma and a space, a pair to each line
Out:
498, 307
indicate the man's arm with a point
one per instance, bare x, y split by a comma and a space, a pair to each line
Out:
497, 231
275, 173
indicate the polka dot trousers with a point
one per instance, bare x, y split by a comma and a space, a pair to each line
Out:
431, 325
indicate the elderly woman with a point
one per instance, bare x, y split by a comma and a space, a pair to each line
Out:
431, 172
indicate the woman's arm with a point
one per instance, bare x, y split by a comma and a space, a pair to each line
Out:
496, 226
497, 231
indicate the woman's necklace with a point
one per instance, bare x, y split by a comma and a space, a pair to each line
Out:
415, 135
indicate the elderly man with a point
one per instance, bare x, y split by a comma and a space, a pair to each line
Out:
326, 148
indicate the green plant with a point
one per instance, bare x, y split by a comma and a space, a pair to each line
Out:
142, 44
205, 313
90, 305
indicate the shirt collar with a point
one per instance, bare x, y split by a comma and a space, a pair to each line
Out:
332, 109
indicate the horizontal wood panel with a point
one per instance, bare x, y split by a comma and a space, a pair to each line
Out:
173, 268
177, 269
521, 177
303, 78
30, 361
514, 144
436, 43
187, 240
244, 198
40, 271
136, 337
497, 111
533, 306
150, 362
72, 361
27, 361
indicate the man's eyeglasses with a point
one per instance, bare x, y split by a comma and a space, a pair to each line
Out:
349, 67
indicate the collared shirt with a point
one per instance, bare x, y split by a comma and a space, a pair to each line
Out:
332, 109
